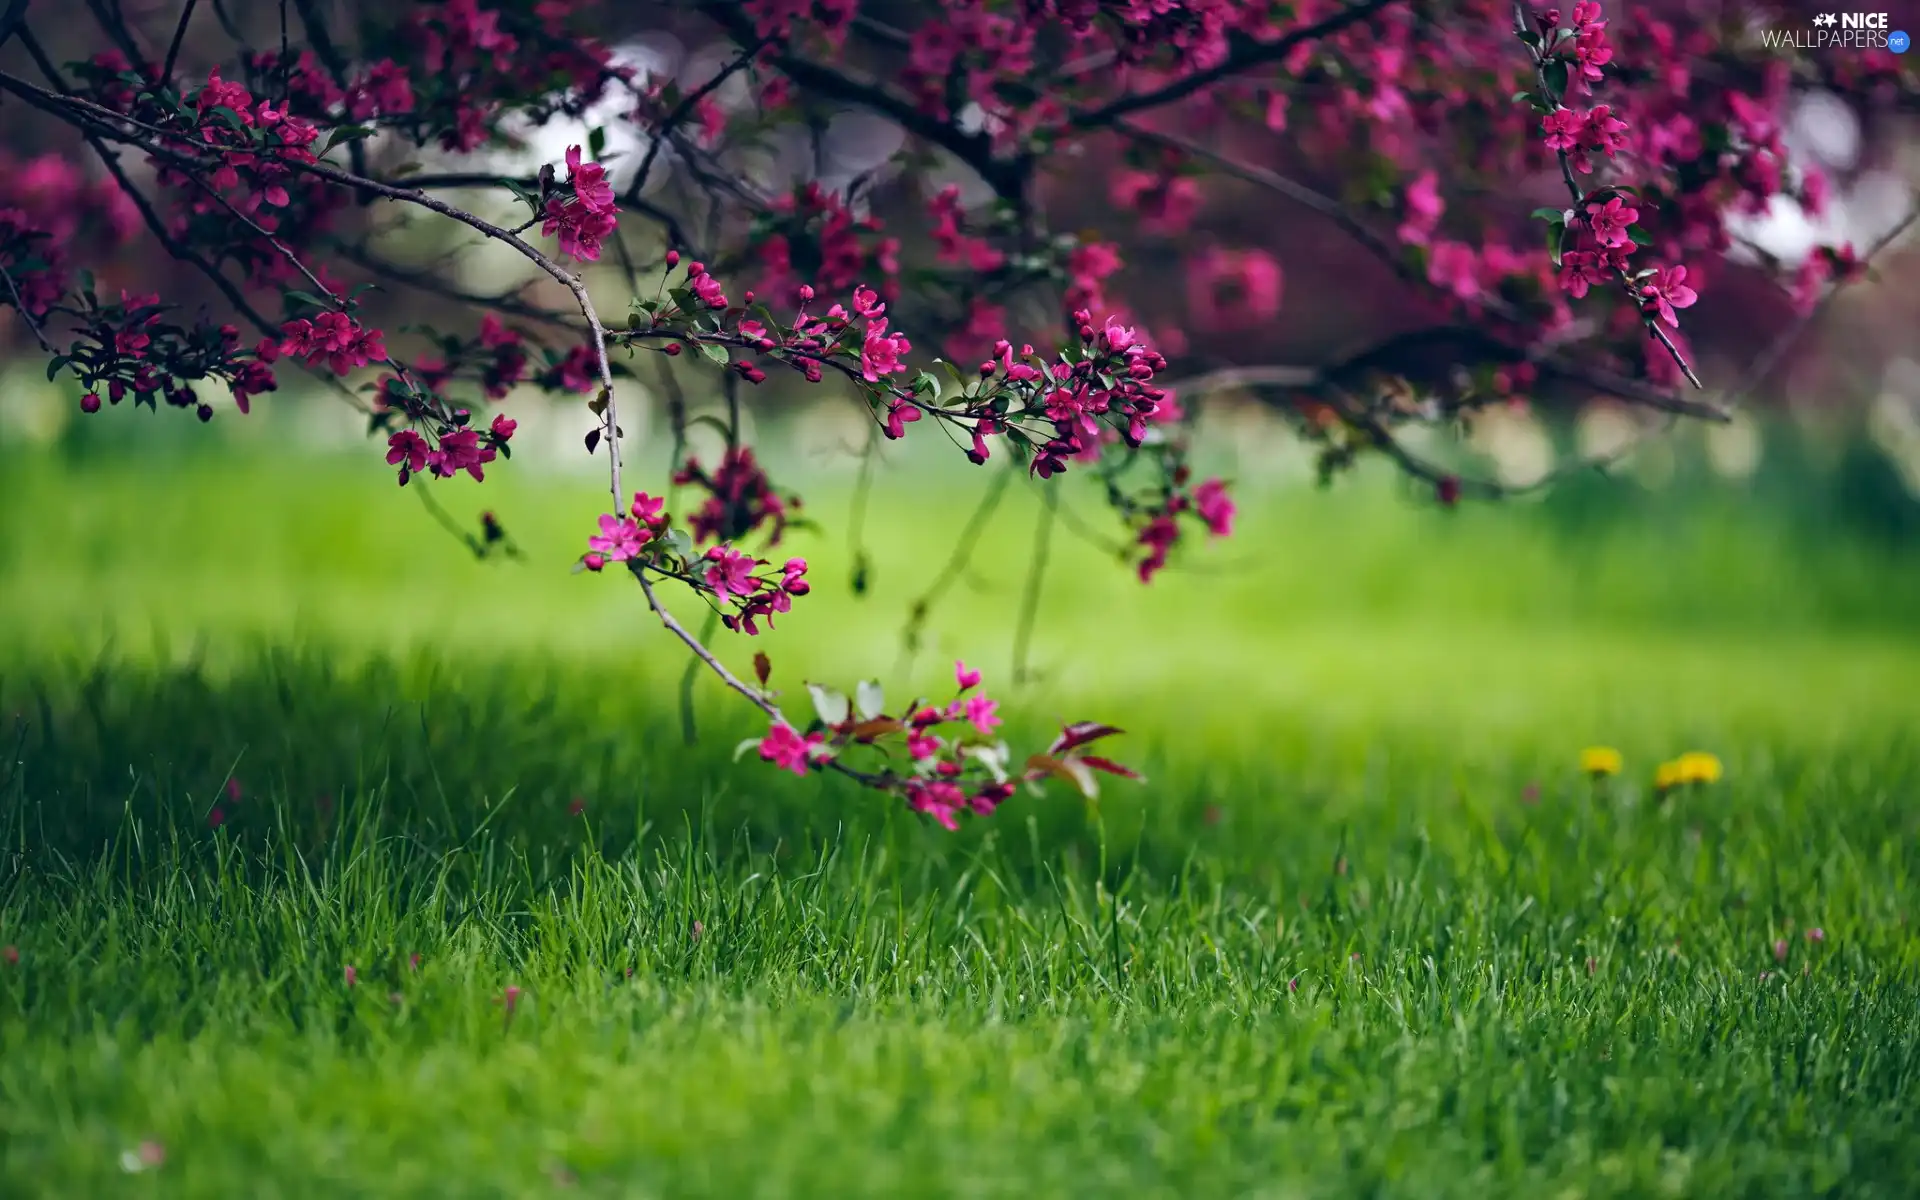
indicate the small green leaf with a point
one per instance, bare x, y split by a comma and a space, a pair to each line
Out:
740, 751
1640, 236
230, 117
1556, 73
56, 366
1556, 234
345, 133
680, 542
715, 354
597, 141
869, 700
308, 298
831, 705
1552, 215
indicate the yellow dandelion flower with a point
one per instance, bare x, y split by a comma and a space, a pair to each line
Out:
1697, 766
1600, 760
1666, 776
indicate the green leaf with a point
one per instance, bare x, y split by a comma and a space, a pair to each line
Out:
308, 298
345, 133
597, 141
715, 354
230, 117
831, 705
1555, 235
1556, 73
680, 542
741, 750
1551, 215
869, 700
56, 366
1526, 96
1640, 236
925, 385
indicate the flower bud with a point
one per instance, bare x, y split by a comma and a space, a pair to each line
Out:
673, 259
90, 403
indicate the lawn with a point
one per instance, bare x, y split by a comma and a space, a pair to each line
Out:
476, 921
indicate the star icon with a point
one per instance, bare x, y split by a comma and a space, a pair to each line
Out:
1826, 19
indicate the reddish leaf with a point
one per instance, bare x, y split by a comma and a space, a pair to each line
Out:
1110, 767
1081, 733
866, 731
762, 667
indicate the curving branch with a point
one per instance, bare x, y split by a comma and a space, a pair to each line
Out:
1259, 54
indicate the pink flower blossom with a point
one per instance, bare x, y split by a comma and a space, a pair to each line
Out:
786, 749
619, 539
1611, 220
982, 715
1665, 290
965, 677
1234, 289
880, 352
585, 220
729, 573
1423, 209
1215, 507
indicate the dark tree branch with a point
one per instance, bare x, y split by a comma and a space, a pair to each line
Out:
1008, 177
1594, 377
179, 38
1258, 54
12, 18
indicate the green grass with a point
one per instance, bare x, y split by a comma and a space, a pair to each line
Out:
1364, 932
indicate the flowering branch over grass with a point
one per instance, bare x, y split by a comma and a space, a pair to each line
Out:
1008, 338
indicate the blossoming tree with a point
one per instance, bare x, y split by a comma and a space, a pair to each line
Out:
248, 154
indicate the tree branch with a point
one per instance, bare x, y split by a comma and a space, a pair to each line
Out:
1258, 54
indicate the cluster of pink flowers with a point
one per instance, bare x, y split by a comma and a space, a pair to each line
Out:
456, 448
953, 245
587, 217
740, 499
732, 579
130, 349
334, 338
815, 225
1161, 531
955, 762
472, 64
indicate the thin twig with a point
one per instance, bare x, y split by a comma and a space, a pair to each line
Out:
1259, 55
1036, 575
179, 37
685, 109
12, 19
1540, 55
20, 303
1769, 358
692, 673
